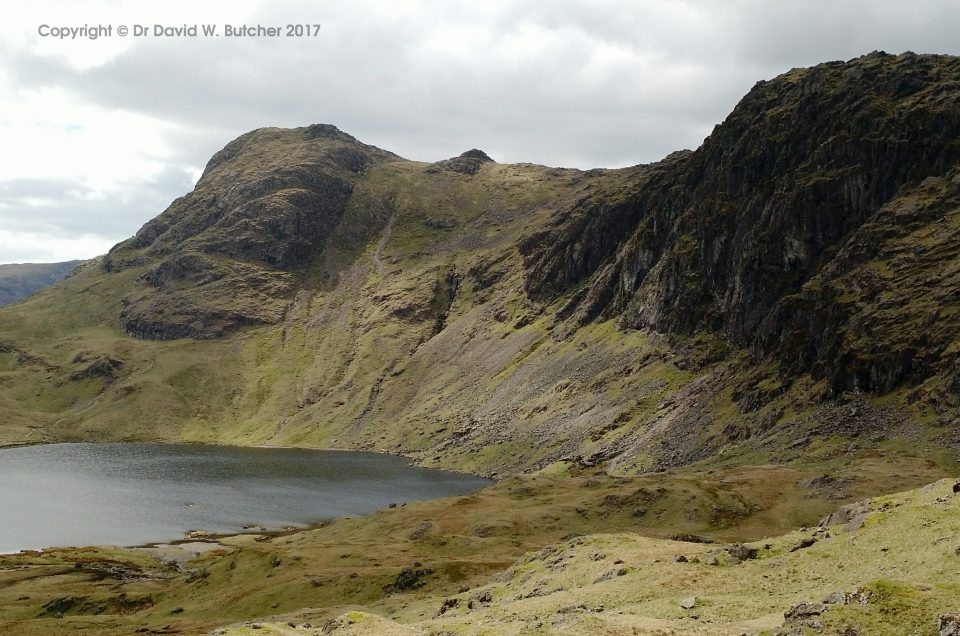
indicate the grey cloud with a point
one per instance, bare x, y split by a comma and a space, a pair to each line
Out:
377, 81
373, 77
64, 208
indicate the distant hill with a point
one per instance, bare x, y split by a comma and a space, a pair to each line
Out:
19, 280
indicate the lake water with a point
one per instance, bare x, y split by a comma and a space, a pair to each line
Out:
131, 494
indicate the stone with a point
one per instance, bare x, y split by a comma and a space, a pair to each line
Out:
804, 543
948, 624
688, 603
852, 516
835, 598
804, 614
741, 552
421, 530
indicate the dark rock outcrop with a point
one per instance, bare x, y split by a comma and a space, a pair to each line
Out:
770, 233
467, 163
228, 254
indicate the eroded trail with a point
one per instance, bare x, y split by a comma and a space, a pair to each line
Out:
387, 231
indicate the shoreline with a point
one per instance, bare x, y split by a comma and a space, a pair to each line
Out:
258, 531
203, 536
412, 460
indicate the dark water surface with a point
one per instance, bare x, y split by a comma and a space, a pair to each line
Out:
129, 494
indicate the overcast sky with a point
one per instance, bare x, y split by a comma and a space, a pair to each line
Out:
99, 136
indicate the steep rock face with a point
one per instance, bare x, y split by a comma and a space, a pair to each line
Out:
729, 233
227, 254
884, 309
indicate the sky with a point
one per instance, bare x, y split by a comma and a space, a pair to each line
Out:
100, 135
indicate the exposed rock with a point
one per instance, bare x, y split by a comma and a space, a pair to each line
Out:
758, 233
421, 530
440, 224
806, 542
805, 614
100, 366
468, 163
833, 486
222, 254
852, 516
731, 555
409, 578
118, 604
860, 597
689, 538
948, 624
688, 603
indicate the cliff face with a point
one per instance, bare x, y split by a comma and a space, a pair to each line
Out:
814, 174
728, 301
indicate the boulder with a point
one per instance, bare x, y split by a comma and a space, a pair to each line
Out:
948, 624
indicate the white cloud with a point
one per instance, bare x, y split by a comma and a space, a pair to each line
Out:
39, 247
50, 133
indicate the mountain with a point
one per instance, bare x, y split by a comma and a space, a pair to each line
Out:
722, 346
784, 289
19, 280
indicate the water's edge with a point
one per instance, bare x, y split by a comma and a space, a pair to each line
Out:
258, 525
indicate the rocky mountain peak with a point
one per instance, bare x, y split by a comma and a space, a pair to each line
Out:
475, 153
